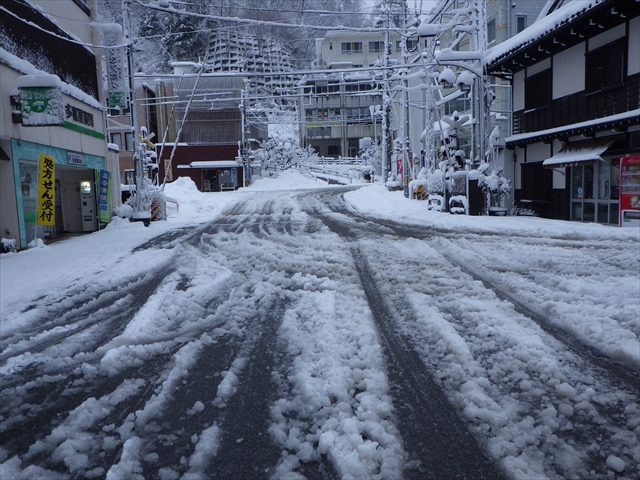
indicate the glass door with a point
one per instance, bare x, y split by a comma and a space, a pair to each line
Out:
595, 191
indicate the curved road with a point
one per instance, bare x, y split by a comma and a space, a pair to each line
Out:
294, 337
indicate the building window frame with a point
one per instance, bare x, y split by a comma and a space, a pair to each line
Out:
605, 66
116, 139
128, 141
491, 31
537, 90
347, 48
376, 47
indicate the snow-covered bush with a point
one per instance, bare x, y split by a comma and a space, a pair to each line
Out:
494, 184
7, 245
368, 172
373, 157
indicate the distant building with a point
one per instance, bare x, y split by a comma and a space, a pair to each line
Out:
338, 110
51, 103
120, 133
211, 149
576, 106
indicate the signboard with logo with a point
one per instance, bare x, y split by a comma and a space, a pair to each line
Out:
41, 106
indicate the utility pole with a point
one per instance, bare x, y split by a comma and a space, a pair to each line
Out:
407, 173
141, 201
385, 96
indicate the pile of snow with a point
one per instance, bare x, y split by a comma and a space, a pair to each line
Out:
288, 180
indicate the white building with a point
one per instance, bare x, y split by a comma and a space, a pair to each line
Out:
340, 106
37, 40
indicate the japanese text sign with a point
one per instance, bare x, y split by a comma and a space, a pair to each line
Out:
46, 191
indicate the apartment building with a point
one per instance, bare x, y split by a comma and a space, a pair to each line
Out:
341, 105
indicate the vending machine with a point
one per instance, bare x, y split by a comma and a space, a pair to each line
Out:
630, 192
88, 207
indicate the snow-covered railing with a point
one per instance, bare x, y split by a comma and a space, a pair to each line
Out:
340, 161
338, 173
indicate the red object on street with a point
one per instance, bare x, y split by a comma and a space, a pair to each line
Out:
629, 192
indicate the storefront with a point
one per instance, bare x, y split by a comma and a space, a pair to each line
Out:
595, 191
213, 168
593, 179
82, 190
218, 176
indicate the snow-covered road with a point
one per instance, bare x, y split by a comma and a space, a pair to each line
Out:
299, 335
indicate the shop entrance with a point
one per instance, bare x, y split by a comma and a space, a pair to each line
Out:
210, 181
77, 200
595, 192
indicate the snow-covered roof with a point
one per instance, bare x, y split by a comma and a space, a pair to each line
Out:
215, 164
589, 124
539, 29
27, 68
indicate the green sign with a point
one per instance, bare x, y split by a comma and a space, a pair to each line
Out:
117, 99
41, 106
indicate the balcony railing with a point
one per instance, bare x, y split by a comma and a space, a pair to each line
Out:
580, 107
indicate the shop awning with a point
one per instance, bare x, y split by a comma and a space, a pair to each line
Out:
215, 164
579, 153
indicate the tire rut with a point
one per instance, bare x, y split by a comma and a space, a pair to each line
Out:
607, 367
437, 441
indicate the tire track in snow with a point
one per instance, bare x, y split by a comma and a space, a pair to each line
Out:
626, 377
600, 424
246, 435
57, 328
437, 441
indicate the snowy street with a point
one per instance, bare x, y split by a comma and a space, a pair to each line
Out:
292, 330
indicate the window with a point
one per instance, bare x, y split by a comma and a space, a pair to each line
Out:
117, 139
333, 150
351, 47
128, 140
116, 112
491, 31
605, 67
376, 47
521, 23
537, 90
412, 44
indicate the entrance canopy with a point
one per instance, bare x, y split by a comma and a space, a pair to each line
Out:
215, 164
579, 153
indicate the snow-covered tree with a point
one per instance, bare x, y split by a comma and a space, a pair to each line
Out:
276, 156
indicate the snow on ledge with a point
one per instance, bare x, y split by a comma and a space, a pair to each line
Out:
540, 28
